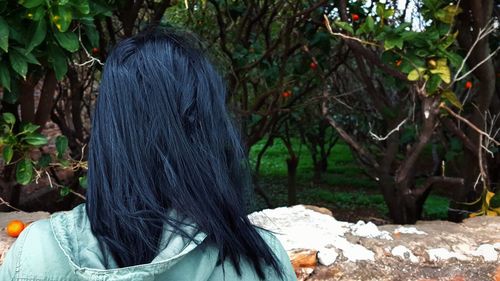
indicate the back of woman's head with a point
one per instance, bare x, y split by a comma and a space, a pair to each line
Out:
161, 140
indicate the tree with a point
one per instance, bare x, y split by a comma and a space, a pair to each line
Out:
408, 81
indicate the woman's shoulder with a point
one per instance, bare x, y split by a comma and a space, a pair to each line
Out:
271, 240
35, 251
279, 251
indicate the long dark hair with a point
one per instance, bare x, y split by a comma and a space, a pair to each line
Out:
162, 139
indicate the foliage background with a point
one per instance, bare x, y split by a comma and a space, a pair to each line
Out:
367, 107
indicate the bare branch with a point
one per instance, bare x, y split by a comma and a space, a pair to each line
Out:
3, 202
378, 138
474, 127
483, 32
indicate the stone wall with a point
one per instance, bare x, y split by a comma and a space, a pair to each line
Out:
322, 248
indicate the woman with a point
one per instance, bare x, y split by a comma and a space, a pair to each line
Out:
166, 173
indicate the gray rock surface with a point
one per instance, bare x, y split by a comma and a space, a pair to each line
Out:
429, 250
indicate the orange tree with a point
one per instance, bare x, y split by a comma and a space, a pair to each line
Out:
38, 39
275, 55
51, 54
413, 74
54, 50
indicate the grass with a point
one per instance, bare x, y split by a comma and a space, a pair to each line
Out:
344, 187
342, 169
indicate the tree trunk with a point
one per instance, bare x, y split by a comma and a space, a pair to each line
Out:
404, 206
320, 168
292, 164
475, 17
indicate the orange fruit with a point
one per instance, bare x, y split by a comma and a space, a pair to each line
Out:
14, 228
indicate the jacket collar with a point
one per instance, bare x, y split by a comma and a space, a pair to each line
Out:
74, 236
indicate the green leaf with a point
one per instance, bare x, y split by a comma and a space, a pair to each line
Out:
82, 6
36, 14
454, 58
380, 10
83, 181
29, 128
344, 25
100, 8
18, 63
388, 13
11, 96
8, 152
24, 171
408, 36
38, 35
31, 3
4, 35
57, 59
92, 34
64, 191
10, 139
30, 58
35, 139
4, 76
62, 17
44, 160
61, 145
448, 40
433, 83
370, 24
393, 41
452, 98
68, 40
9, 118
422, 53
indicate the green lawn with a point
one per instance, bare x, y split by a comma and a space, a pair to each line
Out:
344, 187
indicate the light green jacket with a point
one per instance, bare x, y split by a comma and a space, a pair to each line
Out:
64, 248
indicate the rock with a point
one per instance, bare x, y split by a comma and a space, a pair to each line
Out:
497, 274
487, 251
434, 250
303, 262
441, 254
300, 228
303, 258
409, 230
303, 273
404, 253
369, 230
327, 256
320, 210
354, 252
